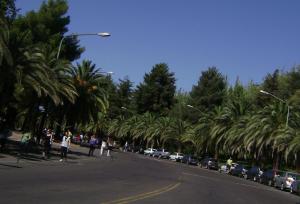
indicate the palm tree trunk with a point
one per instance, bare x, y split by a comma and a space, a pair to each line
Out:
298, 162
216, 152
276, 161
179, 148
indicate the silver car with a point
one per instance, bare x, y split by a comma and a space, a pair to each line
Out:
284, 180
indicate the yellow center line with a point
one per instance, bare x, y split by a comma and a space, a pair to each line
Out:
144, 195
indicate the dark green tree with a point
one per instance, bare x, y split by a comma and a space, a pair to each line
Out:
48, 25
8, 10
210, 90
156, 93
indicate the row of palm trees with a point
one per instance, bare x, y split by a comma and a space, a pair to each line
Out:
259, 136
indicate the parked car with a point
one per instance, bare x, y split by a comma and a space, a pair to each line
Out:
149, 151
176, 156
224, 168
239, 171
135, 149
284, 180
161, 153
189, 159
209, 163
267, 177
295, 187
253, 173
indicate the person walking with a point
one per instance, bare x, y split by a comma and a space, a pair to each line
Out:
109, 146
3, 138
47, 144
93, 143
229, 164
126, 147
65, 145
103, 146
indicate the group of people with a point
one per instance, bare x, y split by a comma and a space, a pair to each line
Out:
102, 144
65, 144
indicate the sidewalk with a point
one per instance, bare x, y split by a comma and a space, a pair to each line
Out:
11, 157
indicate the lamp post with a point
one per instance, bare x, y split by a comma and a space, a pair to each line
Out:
281, 100
79, 34
127, 110
190, 106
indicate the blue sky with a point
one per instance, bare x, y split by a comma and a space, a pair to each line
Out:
245, 39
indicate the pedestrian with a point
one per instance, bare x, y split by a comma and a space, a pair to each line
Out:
93, 143
109, 146
81, 137
229, 164
24, 143
48, 138
126, 147
3, 138
65, 145
103, 146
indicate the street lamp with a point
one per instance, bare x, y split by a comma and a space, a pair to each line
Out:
107, 73
105, 34
281, 100
190, 106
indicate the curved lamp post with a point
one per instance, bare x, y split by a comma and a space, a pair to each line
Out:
190, 106
281, 100
79, 34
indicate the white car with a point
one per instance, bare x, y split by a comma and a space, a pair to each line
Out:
176, 156
149, 151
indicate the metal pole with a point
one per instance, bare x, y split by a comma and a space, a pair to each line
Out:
75, 34
283, 101
287, 116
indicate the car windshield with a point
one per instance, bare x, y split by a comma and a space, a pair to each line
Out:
239, 167
294, 176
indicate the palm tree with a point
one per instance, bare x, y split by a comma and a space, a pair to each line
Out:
267, 133
91, 99
179, 131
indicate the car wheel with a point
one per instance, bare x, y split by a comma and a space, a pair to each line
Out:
270, 183
281, 187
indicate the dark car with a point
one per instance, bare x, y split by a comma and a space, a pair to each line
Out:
188, 159
267, 177
295, 187
239, 171
135, 149
253, 174
209, 163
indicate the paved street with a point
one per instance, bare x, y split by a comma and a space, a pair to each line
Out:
127, 178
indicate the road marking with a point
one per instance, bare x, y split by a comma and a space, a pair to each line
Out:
144, 195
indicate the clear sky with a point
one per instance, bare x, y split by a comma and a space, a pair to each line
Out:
242, 38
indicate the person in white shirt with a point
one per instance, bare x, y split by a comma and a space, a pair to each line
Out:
103, 146
64, 146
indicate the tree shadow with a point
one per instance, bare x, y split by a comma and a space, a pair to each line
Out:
9, 165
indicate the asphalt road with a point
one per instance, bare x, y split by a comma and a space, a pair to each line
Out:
128, 178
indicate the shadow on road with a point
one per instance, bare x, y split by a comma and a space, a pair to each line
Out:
9, 165
34, 152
